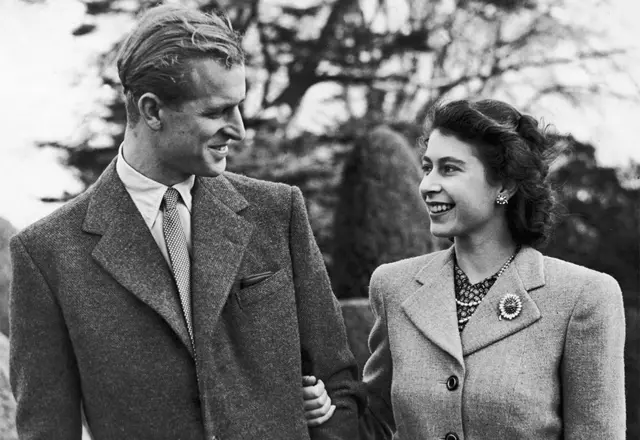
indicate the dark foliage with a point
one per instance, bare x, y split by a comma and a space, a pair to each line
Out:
599, 228
358, 320
380, 216
632, 369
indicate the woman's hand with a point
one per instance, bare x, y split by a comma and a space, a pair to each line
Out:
317, 403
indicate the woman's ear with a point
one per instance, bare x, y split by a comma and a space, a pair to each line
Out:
149, 106
509, 188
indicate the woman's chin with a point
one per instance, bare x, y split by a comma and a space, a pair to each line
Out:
441, 233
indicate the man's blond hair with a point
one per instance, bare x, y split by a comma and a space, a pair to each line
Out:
155, 56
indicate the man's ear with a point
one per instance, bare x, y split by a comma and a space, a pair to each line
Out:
149, 105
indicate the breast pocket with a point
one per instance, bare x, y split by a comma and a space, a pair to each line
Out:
263, 290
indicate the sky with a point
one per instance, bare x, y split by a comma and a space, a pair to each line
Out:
47, 90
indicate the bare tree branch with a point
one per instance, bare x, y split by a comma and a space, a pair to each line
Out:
515, 67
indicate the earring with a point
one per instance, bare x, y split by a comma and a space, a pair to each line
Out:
502, 199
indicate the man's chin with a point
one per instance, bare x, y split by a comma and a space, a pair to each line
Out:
213, 170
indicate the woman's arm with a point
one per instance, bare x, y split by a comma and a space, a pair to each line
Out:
316, 402
593, 364
377, 421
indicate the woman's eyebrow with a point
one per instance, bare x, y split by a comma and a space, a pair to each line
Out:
450, 159
445, 159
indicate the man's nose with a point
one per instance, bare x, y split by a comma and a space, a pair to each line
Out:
235, 127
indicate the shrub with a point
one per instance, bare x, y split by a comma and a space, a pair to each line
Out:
6, 231
380, 216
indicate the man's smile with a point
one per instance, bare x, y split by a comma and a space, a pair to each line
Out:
219, 150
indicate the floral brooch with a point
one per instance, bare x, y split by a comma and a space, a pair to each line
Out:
510, 306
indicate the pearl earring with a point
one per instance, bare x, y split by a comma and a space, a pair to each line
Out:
502, 199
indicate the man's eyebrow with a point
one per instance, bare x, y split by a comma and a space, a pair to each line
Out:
223, 105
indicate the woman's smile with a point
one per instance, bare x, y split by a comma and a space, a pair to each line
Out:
437, 208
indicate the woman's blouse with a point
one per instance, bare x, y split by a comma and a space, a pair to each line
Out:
469, 296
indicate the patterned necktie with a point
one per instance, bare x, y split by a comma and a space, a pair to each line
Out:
178, 253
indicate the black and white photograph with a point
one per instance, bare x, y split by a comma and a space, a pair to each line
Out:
319, 219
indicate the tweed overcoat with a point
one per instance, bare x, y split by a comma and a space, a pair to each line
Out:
554, 372
96, 321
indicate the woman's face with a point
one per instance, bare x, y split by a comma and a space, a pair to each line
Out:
460, 200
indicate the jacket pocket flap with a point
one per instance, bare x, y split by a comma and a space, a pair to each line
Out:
254, 279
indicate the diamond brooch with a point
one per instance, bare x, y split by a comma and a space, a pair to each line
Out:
510, 306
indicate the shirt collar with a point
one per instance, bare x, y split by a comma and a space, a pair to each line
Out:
146, 193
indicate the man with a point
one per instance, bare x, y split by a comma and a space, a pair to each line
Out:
173, 300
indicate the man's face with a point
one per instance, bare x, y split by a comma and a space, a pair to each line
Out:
194, 136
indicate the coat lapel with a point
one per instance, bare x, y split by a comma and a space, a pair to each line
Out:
521, 277
432, 307
220, 237
128, 252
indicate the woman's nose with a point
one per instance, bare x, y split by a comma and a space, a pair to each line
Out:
429, 185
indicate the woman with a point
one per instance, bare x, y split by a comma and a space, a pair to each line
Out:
489, 338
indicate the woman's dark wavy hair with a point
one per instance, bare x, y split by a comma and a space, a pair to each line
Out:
512, 146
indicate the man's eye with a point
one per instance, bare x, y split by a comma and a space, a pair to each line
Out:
222, 112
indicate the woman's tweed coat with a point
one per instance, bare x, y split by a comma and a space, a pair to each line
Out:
554, 372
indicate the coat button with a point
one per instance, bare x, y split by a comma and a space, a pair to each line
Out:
452, 383
451, 436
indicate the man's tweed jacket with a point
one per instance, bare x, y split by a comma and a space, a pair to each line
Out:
96, 319
553, 372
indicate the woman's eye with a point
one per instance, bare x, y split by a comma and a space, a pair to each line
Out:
448, 169
426, 168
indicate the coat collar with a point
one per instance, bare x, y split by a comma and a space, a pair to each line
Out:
525, 274
432, 306
220, 236
128, 252
108, 195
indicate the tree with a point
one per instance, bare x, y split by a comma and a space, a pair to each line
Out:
397, 56
380, 216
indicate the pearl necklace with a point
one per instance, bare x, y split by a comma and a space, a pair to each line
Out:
500, 272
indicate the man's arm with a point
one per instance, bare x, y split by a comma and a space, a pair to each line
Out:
324, 348
43, 372
377, 421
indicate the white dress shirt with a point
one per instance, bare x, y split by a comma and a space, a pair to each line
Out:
147, 195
